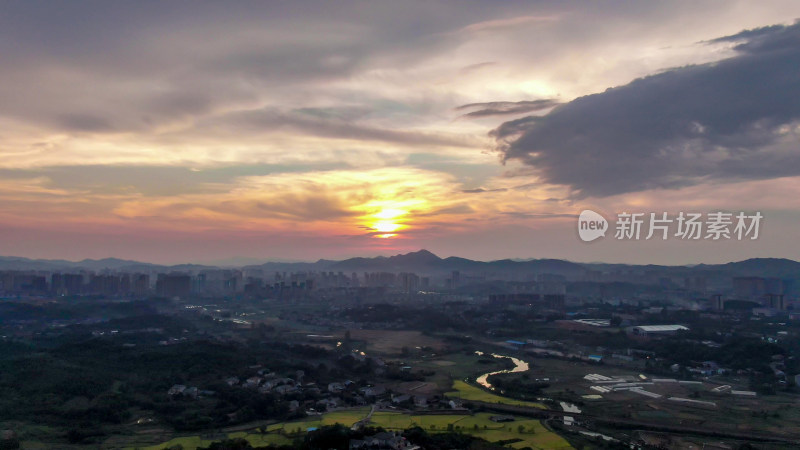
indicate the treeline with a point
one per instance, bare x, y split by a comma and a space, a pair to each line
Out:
736, 353
516, 386
338, 437
90, 386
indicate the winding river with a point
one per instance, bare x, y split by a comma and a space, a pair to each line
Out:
519, 366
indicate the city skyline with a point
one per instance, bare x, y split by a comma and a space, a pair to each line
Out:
296, 131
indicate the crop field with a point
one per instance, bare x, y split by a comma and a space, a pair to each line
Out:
469, 392
391, 420
524, 432
346, 417
391, 342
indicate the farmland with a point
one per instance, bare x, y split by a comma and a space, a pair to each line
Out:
520, 433
469, 392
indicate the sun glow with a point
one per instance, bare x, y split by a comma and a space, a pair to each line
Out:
390, 213
386, 221
387, 228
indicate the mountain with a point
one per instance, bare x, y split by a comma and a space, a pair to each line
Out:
121, 265
420, 260
759, 267
425, 262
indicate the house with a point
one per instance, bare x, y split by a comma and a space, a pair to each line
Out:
313, 390
329, 404
515, 344
454, 404
657, 330
401, 399
252, 382
176, 390
383, 440
501, 419
191, 392
373, 391
231, 381
420, 401
335, 387
285, 389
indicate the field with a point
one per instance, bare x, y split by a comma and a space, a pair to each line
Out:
459, 365
524, 432
391, 342
469, 392
765, 413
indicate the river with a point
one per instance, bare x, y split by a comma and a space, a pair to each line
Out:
519, 366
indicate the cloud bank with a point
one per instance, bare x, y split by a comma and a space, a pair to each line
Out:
736, 119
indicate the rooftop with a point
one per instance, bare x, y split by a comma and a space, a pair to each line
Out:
651, 328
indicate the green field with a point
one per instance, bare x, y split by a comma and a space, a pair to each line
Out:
391, 420
348, 417
469, 392
533, 433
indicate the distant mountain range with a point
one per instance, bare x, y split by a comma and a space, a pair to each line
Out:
424, 261
19, 263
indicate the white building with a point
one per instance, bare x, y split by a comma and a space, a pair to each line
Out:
657, 330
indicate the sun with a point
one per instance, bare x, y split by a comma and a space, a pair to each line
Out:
387, 228
387, 216
387, 221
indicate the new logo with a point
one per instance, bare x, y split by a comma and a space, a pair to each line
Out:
591, 225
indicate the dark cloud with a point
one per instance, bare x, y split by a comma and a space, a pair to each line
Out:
143, 66
482, 190
316, 124
506, 108
85, 122
735, 119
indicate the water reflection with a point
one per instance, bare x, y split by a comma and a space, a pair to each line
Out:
519, 366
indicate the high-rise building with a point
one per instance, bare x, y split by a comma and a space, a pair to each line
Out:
173, 285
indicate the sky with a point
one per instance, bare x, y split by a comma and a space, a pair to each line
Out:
175, 132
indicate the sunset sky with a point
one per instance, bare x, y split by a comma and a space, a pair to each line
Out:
200, 131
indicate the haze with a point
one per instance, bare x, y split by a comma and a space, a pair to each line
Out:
193, 132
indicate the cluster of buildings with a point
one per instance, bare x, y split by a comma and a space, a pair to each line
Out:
384, 440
